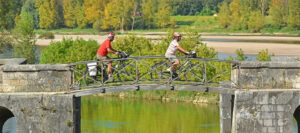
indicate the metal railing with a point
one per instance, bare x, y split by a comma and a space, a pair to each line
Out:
151, 70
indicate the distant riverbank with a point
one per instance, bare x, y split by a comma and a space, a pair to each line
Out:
279, 45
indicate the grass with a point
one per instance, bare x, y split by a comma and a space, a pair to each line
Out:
168, 95
207, 24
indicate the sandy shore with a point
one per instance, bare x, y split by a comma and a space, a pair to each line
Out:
221, 46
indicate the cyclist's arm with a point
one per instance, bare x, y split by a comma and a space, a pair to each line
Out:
182, 50
111, 50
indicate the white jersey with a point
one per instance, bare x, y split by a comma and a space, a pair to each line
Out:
173, 47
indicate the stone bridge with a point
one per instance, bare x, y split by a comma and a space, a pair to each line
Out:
259, 97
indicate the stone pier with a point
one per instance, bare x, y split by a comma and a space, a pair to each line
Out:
35, 95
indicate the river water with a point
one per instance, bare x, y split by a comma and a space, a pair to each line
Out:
114, 115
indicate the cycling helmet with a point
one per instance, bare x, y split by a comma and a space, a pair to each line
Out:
176, 34
111, 34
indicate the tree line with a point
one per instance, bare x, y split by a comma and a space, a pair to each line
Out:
101, 14
250, 14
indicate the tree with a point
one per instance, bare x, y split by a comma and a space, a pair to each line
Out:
80, 18
117, 14
94, 10
24, 38
48, 12
69, 13
163, 14
224, 15
9, 9
235, 9
148, 13
256, 21
294, 14
29, 8
278, 11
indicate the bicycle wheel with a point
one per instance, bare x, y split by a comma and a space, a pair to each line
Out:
126, 72
158, 71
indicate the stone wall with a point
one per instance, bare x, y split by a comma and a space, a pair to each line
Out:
13, 61
36, 78
264, 111
43, 112
266, 75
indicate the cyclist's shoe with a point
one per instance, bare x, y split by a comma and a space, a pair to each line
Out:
169, 69
174, 75
110, 79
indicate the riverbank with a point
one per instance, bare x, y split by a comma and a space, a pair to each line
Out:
168, 96
279, 45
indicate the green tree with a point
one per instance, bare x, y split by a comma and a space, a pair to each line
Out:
236, 13
9, 9
163, 14
278, 12
80, 18
148, 13
69, 13
48, 13
94, 10
256, 21
117, 14
29, 7
294, 14
224, 15
25, 39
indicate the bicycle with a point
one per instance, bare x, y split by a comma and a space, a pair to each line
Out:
123, 70
159, 69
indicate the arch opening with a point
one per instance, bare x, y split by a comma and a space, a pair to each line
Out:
5, 114
297, 118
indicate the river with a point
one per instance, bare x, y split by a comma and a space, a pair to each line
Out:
114, 115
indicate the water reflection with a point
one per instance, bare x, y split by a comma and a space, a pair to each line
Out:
106, 114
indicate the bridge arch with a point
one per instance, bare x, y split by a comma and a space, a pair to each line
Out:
297, 117
5, 114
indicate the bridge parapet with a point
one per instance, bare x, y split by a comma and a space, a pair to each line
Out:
36, 78
266, 75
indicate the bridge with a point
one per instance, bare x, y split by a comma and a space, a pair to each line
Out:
254, 96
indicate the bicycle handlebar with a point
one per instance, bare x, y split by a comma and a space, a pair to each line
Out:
123, 55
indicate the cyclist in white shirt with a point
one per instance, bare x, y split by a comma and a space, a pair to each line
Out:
171, 52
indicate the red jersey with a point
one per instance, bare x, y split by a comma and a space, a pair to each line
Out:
103, 48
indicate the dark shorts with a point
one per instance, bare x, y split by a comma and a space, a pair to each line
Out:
101, 58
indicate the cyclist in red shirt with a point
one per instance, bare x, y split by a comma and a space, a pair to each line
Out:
106, 48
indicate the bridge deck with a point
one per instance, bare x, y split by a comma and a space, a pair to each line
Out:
108, 89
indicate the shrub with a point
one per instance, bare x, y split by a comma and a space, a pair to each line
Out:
69, 50
264, 55
47, 35
240, 55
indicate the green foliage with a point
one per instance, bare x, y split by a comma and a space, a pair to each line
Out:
48, 13
256, 21
9, 10
294, 14
278, 11
24, 39
264, 55
69, 13
240, 56
5, 41
163, 14
69, 50
224, 15
29, 7
47, 35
